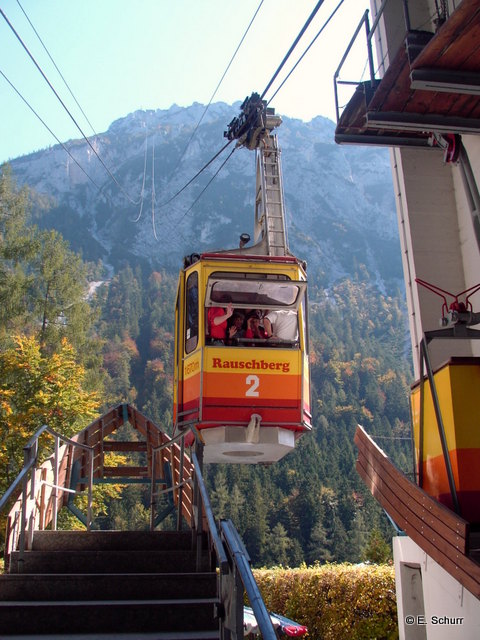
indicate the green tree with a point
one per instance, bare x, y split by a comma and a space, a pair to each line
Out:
277, 546
220, 496
43, 284
377, 549
58, 292
18, 245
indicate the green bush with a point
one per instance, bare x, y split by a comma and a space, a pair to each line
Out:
335, 601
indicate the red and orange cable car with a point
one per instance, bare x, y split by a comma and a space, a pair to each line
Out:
241, 376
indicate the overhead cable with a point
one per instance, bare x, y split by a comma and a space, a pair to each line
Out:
56, 67
67, 110
153, 190
142, 193
297, 39
208, 184
48, 128
176, 225
217, 88
163, 204
289, 52
308, 48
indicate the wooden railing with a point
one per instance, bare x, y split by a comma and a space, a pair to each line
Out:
158, 446
45, 488
441, 533
41, 490
77, 463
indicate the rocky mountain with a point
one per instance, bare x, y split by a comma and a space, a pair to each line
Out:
339, 200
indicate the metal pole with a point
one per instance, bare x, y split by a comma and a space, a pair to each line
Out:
412, 438
471, 190
199, 535
90, 490
55, 482
152, 491
180, 491
441, 429
27, 457
369, 51
31, 519
406, 15
421, 431
23, 522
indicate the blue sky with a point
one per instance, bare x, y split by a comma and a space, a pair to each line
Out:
122, 55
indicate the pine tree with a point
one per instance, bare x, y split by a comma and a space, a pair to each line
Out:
58, 291
18, 245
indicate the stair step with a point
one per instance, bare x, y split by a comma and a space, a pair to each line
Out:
109, 584
113, 540
169, 635
107, 561
32, 587
114, 616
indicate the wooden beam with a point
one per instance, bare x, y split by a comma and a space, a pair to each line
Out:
125, 472
441, 533
117, 445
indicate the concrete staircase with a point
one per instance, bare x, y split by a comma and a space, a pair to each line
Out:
109, 584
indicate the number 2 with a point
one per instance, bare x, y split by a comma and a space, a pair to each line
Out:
252, 382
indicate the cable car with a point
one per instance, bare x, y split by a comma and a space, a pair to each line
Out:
241, 373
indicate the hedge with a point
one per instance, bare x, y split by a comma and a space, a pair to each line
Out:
335, 601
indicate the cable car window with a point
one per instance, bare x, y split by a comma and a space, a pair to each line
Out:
229, 275
191, 313
263, 294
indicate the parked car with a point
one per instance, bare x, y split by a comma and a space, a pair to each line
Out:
284, 627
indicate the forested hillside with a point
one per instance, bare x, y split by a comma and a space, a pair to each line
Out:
77, 338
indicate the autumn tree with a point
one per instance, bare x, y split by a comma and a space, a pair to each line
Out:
37, 389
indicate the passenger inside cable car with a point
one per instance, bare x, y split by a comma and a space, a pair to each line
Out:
217, 321
255, 326
244, 326
236, 327
251, 312
281, 324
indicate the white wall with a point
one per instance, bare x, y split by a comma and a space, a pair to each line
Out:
450, 612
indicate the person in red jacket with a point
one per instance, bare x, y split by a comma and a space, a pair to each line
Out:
217, 322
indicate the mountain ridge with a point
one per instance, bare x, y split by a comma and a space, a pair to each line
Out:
339, 200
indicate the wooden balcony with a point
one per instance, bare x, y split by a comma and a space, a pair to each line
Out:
432, 84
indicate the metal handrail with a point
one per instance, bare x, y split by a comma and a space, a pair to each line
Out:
217, 543
241, 560
27, 465
31, 452
73, 443
173, 488
234, 567
173, 440
235, 574
8, 493
369, 32
336, 82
